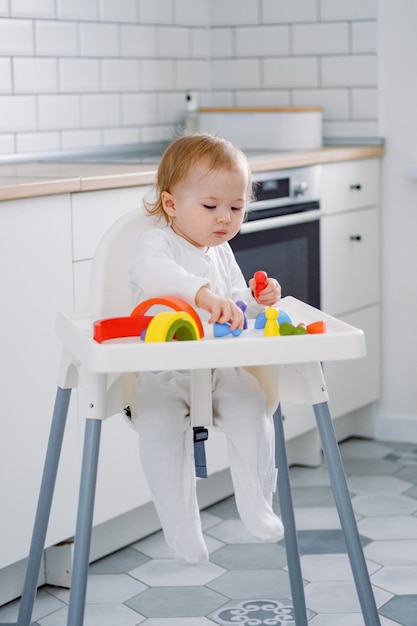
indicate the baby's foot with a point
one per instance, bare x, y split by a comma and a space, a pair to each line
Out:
188, 545
263, 524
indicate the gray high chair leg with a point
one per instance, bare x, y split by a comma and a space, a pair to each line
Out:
84, 522
288, 519
43, 510
346, 514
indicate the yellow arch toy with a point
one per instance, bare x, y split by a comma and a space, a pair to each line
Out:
166, 324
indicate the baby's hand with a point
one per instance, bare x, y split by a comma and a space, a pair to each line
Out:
222, 310
269, 296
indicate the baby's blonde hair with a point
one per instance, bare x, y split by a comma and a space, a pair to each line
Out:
188, 150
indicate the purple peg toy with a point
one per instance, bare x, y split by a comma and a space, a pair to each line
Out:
243, 306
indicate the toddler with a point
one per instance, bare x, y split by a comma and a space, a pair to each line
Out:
203, 189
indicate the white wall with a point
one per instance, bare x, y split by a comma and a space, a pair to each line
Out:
398, 102
87, 73
76, 73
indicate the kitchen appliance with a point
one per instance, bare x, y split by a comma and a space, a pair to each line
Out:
281, 234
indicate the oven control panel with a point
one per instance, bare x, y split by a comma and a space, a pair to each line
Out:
284, 188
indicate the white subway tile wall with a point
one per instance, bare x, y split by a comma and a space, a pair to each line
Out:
90, 73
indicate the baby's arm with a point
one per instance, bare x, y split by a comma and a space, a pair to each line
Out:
222, 310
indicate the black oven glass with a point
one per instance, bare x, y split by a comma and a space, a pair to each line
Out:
291, 254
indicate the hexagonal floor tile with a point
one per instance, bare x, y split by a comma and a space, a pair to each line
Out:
97, 615
331, 567
169, 573
250, 556
384, 504
176, 602
256, 612
246, 584
397, 579
377, 484
395, 527
393, 552
403, 609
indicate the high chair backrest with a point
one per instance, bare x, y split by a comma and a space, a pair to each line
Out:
110, 294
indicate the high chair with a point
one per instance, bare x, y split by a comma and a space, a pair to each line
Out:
288, 368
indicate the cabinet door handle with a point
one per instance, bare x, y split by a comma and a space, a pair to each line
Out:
356, 187
355, 238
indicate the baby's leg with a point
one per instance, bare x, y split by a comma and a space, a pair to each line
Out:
239, 409
161, 416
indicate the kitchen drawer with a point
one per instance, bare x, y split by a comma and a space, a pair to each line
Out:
349, 260
349, 185
94, 212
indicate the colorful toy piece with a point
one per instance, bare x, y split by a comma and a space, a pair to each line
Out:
271, 328
116, 327
302, 329
316, 328
166, 324
243, 306
178, 304
221, 330
286, 328
137, 323
261, 280
260, 320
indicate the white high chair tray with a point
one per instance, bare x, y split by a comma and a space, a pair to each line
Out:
340, 341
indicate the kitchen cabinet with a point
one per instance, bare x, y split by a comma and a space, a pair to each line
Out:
350, 275
35, 257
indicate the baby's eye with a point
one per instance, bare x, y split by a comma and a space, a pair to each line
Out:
237, 208
209, 206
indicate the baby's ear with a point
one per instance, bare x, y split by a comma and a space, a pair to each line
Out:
168, 203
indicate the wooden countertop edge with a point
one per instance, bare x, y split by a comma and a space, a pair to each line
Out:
17, 187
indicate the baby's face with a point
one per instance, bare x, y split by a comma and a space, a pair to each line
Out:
208, 206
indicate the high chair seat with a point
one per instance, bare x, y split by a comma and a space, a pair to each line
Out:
288, 368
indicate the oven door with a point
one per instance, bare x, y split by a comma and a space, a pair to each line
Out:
286, 248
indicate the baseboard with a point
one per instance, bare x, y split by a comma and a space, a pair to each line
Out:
11, 580
396, 428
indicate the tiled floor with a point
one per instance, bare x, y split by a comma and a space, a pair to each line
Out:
246, 582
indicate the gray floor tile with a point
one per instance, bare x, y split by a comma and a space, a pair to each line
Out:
98, 615
168, 573
251, 556
369, 467
177, 602
243, 584
323, 541
393, 552
377, 484
256, 612
142, 584
364, 449
385, 504
316, 518
119, 562
395, 527
397, 579
312, 496
403, 609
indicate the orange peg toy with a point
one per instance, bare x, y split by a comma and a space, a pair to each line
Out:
261, 280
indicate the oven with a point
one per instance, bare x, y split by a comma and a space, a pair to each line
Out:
281, 234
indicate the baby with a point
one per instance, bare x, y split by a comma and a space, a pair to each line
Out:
203, 187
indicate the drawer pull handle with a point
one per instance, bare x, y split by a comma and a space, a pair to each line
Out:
355, 237
356, 187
